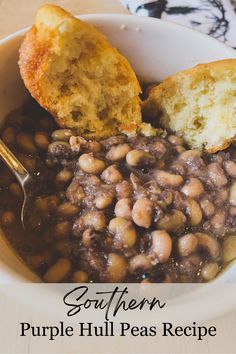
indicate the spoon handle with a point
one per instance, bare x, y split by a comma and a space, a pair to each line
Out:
13, 163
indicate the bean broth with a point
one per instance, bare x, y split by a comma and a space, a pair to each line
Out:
124, 209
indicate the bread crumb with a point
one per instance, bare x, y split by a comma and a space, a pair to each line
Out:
148, 130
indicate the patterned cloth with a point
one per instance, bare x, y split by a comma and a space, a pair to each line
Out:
213, 17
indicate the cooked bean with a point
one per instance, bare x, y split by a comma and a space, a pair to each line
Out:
95, 219
16, 190
160, 164
78, 226
104, 200
116, 268
37, 260
64, 176
193, 188
166, 179
190, 266
114, 140
90, 164
58, 271
26, 143
93, 181
62, 134
57, 149
175, 140
136, 158
221, 196
216, 174
162, 204
210, 243
232, 211
232, 194
111, 175
153, 188
180, 149
118, 152
207, 207
89, 236
178, 168
77, 143
123, 208
93, 146
229, 248
9, 136
64, 247
67, 210
8, 218
80, 277
95, 262
218, 221
230, 168
187, 244
161, 246
123, 190
189, 155
179, 200
141, 262
193, 211
47, 204
167, 197
41, 140
62, 229
75, 192
142, 212
209, 271
159, 150
125, 234
172, 221
135, 182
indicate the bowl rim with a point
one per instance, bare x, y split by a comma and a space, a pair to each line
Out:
133, 19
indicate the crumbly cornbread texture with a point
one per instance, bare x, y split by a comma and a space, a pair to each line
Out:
71, 69
198, 104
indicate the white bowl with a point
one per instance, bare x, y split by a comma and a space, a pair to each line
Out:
155, 49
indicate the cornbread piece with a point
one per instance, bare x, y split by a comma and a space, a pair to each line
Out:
73, 71
198, 104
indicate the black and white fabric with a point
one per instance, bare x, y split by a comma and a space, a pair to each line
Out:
216, 18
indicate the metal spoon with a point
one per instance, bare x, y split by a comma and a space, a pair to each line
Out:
21, 174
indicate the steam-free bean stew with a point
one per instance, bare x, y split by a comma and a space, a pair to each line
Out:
123, 209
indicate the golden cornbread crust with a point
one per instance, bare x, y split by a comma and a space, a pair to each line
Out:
198, 104
73, 72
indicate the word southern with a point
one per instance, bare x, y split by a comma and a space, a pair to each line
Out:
109, 301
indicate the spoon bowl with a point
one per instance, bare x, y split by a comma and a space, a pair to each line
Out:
24, 178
